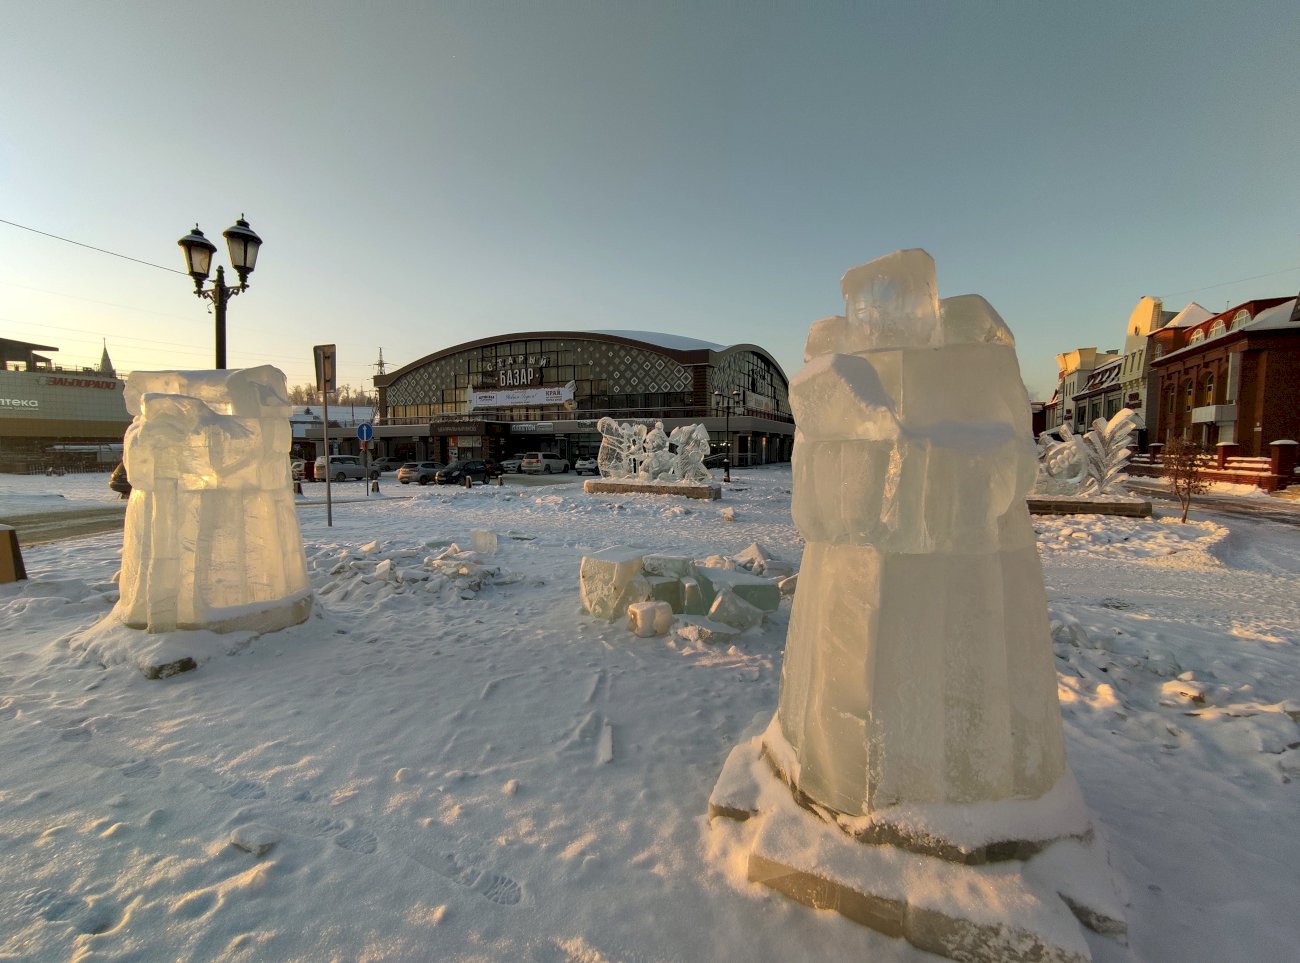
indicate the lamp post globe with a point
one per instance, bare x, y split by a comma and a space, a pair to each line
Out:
243, 244
198, 256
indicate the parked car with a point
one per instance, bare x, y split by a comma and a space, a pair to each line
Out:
543, 463
420, 472
343, 467
511, 464
585, 463
714, 461
297, 468
118, 481
458, 471
387, 463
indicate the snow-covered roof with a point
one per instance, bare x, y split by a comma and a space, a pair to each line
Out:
1278, 316
1190, 315
674, 342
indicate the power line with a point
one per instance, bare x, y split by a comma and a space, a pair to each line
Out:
1224, 284
91, 247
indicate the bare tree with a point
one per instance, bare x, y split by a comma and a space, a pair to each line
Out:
1182, 463
302, 394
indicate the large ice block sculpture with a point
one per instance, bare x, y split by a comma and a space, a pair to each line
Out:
917, 668
211, 538
918, 717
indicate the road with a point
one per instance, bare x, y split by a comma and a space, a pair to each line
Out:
33, 529
52, 526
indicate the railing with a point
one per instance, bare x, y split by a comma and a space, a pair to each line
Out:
618, 414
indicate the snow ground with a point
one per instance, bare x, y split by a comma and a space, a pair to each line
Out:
473, 769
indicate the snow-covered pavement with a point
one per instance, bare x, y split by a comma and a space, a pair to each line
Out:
459, 766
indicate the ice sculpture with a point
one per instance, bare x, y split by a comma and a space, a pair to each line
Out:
918, 714
1089, 465
635, 452
917, 666
211, 538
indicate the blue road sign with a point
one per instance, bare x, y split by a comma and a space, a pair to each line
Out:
365, 432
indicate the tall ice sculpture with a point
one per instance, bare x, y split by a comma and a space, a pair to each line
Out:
914, 776
212, 538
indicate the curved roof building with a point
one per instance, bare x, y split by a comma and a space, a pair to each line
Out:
545, 390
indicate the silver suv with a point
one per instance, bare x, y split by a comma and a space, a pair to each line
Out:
343, 467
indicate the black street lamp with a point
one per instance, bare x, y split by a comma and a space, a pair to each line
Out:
718, 399
243, 244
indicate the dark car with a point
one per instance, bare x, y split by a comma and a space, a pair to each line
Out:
458, 471
118, 480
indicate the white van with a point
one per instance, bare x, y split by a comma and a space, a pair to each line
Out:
343, 467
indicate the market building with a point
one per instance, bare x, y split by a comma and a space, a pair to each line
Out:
53, 417
546, 390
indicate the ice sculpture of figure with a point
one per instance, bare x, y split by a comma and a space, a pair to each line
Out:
614, 457
656, 461
691, 444
211, 538
918, 666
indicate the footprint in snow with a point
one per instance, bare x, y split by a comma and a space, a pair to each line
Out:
493, 886
240, 789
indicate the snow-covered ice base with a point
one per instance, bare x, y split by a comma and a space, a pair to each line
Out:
995, 910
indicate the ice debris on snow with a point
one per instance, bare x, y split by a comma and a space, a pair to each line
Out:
616, 579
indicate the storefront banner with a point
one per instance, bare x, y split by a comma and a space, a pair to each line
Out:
521, 397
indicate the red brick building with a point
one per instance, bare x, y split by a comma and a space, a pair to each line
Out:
1232, 380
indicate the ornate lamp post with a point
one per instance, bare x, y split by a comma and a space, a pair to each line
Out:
243, 244
719, 398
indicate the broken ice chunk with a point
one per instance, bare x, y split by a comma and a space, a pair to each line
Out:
648, 619
610, 580
483, 540
678, 565
760, 592
694, 600
666, 588
730, 609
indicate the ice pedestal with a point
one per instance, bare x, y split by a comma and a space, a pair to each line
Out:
918, 675
211, 537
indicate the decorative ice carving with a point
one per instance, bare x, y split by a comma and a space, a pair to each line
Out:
918, 667
1089, 465
918, 715
211, 538
635, 452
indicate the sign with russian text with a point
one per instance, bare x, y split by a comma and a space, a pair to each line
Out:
521, 397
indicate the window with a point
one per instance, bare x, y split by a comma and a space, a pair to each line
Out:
1240, 319
1218, 329
1197, 337
1209, 388
1170, 403
1187, 392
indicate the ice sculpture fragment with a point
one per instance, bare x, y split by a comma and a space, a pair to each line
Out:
918, 691
211, 537
610, 580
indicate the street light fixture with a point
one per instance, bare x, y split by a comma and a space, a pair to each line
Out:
243, 243
718, 399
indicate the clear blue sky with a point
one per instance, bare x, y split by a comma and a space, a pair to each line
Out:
427, 173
